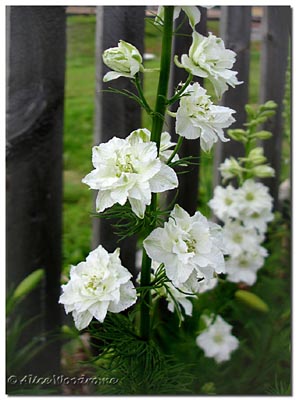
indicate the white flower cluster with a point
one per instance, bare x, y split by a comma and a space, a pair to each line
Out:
245, 212
130, 169
216, 340
190, 248
97, 285
196, 117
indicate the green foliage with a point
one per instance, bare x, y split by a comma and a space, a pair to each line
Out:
23, 289
139, 366
19, 351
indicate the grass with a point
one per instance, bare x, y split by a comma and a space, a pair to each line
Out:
78, 137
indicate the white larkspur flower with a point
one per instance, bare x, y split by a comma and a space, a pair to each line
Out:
192, 13
128, 169
208, 58
224, 203
187, 245
257, 220
125, 60
238, 239
97, 285
165, 142
216, 340
244, 267
253, 197
206, 285
230, 168
197, 117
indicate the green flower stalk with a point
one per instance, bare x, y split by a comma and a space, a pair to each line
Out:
157, 124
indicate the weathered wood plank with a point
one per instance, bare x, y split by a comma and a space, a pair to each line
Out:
235, 30
35, 91
116, 115
275, 48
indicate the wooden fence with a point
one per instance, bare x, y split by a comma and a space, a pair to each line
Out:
36, 44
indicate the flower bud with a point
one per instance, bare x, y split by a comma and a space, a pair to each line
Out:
28, 284
262, 135
237, 134
251, 300
250, 110
256, 156
270, 104
125, 60
263, 171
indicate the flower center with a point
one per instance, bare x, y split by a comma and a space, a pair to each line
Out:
228, 201
255, 215
191, 244
250, 196
237, 238
124, 165
93, 283
218, 338
243, 264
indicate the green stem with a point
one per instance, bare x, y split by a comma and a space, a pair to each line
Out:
181, 91
176, 149
141, 95
163, 83
157, 124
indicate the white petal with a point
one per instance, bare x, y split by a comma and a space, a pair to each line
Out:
165, 179
138, 207
82, 320
193, 15
104, 200
114, 75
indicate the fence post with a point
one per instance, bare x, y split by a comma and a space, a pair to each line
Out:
188, 183
235, 30
35, 94
275, 50
116, 115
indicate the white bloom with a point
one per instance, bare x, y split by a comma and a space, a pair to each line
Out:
253, 197
206, 285
128, 169
217, 341
165, 142
125, 60
198, 117
192, 13
229, 168
257, 220
244, 267
208, 58
238, 239
97, 285
185, 245
224, 203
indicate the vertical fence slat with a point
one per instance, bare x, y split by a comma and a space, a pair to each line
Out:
275, 49
235, 30
188, 183
35, 92
116, 115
